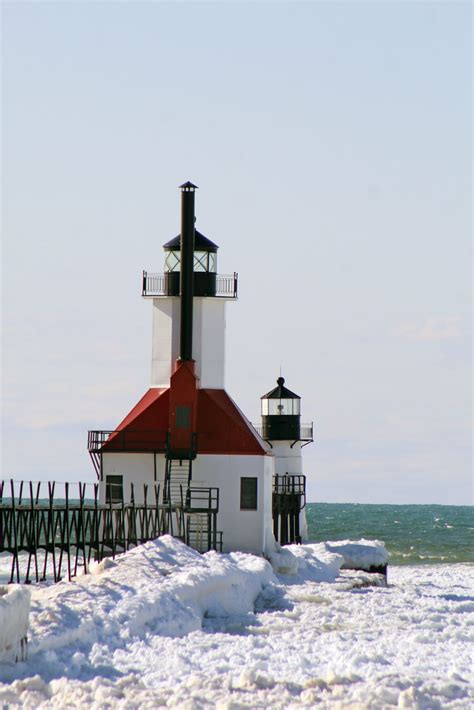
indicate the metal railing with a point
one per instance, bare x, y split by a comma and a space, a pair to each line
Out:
201, 499
50, 530
306, 431
201, 506
46, 536
156, 285
127, 440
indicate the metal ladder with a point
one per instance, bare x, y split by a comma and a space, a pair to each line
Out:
199, 531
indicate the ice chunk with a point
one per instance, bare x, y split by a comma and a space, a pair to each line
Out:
314, 562
360, 554
14, 615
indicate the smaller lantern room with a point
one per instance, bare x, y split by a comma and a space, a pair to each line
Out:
281, 410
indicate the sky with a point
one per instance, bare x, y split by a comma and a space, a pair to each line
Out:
331, 143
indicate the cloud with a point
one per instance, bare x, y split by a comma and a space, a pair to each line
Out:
433, 329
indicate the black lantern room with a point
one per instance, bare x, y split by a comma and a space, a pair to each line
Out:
205, 265
281, 410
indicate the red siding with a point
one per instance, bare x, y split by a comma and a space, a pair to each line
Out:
183, 393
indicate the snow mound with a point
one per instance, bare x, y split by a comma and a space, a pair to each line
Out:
162, 586
361, 554
14, 613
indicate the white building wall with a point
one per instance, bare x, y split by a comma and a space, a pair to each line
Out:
245, 530
269, 539
208, 340
165, 312
134, 468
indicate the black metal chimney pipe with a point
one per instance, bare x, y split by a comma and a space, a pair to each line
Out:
187, 270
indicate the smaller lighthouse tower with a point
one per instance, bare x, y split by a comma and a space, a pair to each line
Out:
283, 430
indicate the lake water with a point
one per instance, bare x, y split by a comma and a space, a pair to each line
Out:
413, 534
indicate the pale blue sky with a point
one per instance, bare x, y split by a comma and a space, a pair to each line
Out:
332, 146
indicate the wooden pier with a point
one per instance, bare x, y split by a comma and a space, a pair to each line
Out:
49, 533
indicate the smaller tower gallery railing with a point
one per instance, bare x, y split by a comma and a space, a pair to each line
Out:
156, 285
306, 431
290, 484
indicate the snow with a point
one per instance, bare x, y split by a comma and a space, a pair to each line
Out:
165, 626
14, 613
162, 584
360, 555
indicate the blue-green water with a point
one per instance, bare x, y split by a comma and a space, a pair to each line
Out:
413, 534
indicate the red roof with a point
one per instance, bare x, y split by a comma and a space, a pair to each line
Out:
221, 427
145, 426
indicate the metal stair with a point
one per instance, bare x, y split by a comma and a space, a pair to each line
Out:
178, 471
198, 505
177, 479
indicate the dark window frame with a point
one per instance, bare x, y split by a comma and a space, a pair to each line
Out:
249, 497
113, 487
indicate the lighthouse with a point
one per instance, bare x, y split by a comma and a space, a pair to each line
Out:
186, 434
286, 435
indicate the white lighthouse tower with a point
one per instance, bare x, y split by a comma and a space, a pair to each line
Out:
186, 434
211, 293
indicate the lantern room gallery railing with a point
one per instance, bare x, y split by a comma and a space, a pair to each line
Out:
155, 285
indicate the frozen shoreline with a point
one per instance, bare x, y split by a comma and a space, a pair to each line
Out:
194, 640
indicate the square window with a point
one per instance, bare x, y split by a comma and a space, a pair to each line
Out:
248, 494
113, 489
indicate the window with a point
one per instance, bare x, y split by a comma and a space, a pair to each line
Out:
248, 494
182, 417
202, 260
173, 261
212, 262
273, 407
205, 261
113, 489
